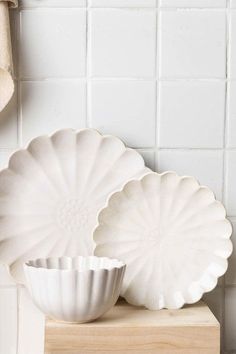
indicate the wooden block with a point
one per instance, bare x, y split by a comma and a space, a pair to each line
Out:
127, 329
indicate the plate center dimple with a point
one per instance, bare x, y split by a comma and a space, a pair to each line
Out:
71, 215
158, 237
153, 235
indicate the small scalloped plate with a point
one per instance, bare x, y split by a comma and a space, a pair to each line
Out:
51, 192
173, 236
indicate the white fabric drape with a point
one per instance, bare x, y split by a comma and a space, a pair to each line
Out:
6, 66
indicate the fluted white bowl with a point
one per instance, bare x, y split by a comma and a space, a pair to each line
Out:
74, 289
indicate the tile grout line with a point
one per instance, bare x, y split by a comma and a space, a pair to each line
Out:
173, 9
128, 78
18, 318
233, 218
157, 121
18, 82
159, 8
88, 74
155, 148
20, 118
224, 187
231, 286
87, 68
156, 86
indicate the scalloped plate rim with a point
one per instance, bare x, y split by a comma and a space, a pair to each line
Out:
200, 186
143, 169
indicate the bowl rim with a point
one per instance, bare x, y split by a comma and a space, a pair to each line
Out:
118, 264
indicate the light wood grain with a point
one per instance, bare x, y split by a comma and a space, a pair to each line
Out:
130, 330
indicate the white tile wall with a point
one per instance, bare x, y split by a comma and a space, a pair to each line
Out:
149, 157
231, 274
50, 105
231, 129
8, 320
160, 74
193, 163
232, 58
4, 158
29, 318
193, 3
122, 42
189, 46
122, 3
125, 108
52, 3
8, 125
230, 190
191, 114
230, 316
214, 300
52, 43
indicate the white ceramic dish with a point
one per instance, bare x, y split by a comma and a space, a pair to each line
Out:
78, 289
173, 236
51, 193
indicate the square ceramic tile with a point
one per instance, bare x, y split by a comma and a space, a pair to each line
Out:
214, 300
8, 124
232, 45
8, 320
205, 166
4, 157
193, 3
190, 47
230, 277
233, 3
231, 129
48, 106
29, 318
123, 42
53, 43
52, 3
230, 318
149, 158
122, 3
191, 114
126, 109
230, 182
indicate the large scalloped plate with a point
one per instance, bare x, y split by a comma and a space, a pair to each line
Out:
173, 236
51, 192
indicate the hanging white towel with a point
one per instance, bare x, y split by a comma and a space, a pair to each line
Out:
6, 65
